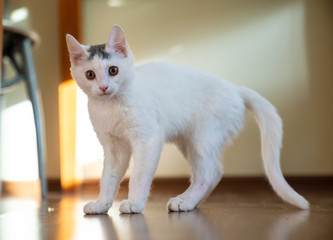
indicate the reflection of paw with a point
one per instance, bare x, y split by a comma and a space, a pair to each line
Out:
128, 206
96, 208
179, 205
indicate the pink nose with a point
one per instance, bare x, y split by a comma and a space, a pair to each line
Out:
103, 88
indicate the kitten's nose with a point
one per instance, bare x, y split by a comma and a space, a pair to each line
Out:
103, 88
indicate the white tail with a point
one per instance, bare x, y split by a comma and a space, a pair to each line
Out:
270, 125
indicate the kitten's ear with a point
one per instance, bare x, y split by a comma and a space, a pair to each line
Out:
75, 49
117, 41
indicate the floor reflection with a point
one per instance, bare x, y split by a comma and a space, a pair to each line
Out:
18, 219
285, 225
137, 226
64, 219
197, 225
19, 225
67, 221
103, 227
247, 224
227, 222
73, 224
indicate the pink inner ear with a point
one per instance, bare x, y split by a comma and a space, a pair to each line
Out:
121, 48
76, 53
77, 57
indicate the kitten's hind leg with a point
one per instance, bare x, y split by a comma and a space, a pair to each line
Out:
206, 174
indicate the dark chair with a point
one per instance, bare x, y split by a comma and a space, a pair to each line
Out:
17, 48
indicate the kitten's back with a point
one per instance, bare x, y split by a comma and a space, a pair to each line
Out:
184, 97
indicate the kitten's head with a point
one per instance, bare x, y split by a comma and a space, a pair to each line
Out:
102, 70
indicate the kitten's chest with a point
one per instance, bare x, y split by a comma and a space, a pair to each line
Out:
111, 119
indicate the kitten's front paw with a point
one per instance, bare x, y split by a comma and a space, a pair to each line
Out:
180, 205
128, 206
96, 208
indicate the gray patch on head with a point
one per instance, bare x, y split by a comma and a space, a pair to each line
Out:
98, 50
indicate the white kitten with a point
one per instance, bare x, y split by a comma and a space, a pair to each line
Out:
135, 110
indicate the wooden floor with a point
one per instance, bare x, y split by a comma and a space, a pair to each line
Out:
235, 210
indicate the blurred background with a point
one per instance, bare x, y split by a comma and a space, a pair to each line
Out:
282, 49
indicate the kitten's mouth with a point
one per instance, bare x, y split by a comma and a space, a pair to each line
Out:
106, 94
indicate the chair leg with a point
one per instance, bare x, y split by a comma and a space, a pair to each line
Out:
33, 91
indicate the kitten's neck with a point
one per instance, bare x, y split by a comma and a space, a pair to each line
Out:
107, 105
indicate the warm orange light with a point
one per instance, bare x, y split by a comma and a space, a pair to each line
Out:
67, 123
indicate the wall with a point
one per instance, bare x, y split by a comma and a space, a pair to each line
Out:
282, 49
279, 48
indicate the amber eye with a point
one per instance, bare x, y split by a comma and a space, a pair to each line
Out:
113, 71
90, 75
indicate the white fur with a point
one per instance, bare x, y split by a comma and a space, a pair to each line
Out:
148, 105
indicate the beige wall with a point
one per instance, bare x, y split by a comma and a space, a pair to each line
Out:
283, 49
